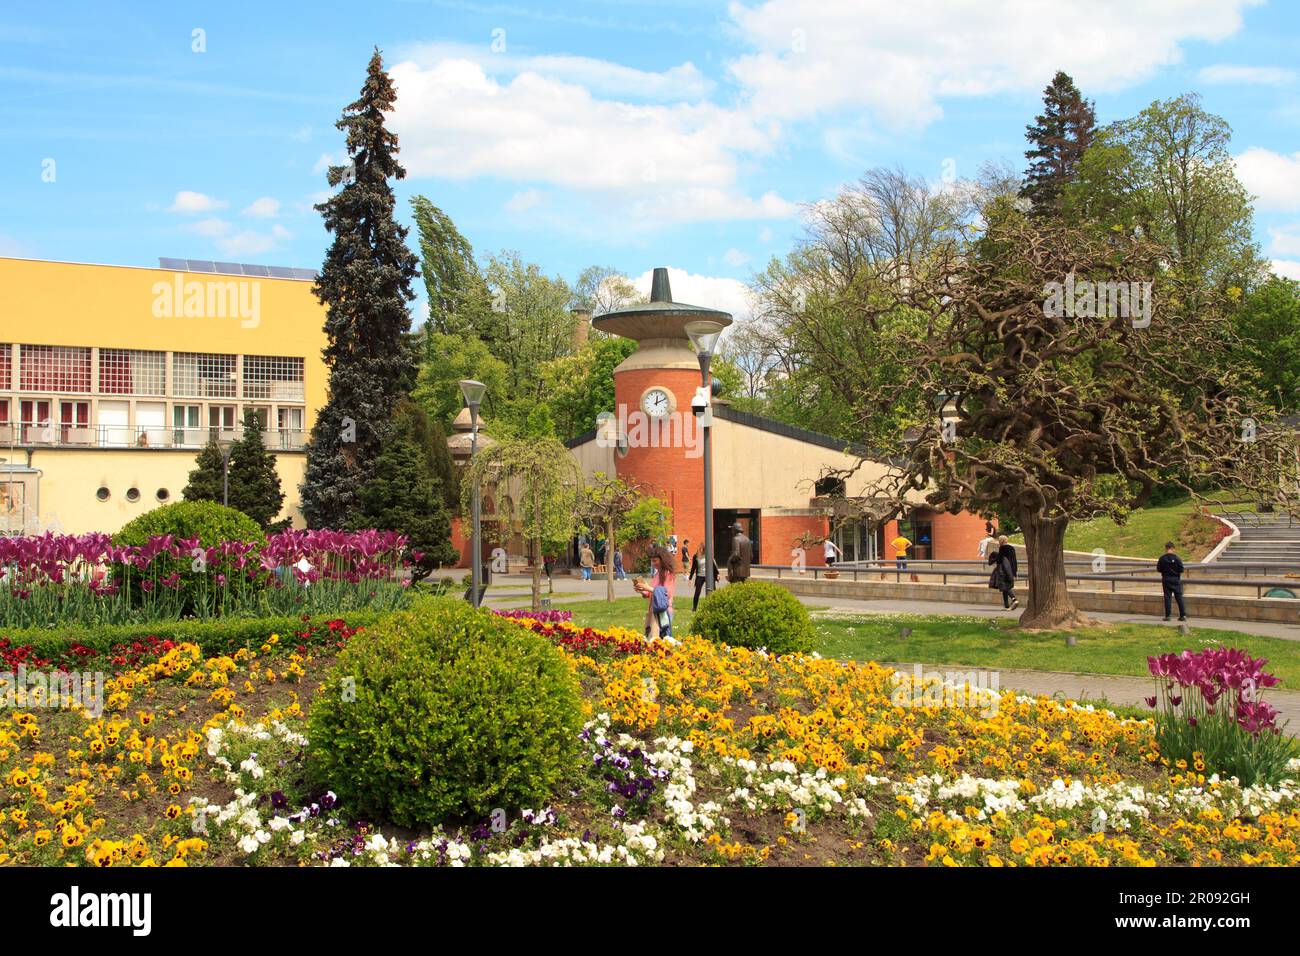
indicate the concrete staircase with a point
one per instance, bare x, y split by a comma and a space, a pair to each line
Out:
1266, 539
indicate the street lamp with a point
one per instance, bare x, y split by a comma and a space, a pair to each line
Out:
704, 334
474, 392
226, 444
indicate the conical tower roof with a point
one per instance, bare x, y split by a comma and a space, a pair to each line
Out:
660, 318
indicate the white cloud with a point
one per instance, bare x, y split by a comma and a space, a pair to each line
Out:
187, 201
263, 208
1285, 241
734, 257
525, 200
1273, 177
1253, 75
765, 234
652, 161
898, 60
248, 243
1287, 268
712, 292
211, 226
681, 82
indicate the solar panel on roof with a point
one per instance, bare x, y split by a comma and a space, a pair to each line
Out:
309, 274
165, 263
261, 272
279, 272
229, 268
200, 265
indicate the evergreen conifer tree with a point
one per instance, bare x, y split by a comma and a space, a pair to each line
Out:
1059, 135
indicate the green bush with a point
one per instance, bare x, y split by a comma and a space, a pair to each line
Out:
444, 711
208, 521
755, 614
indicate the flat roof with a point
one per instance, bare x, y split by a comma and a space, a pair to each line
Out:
299, 275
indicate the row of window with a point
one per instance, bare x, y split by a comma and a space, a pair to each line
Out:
122, 423
64, 368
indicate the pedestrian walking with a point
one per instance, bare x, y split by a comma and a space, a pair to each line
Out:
658, 592
1005, 568
619, 573
587, 559
1171, 580
684, 556
830, 551
697, 575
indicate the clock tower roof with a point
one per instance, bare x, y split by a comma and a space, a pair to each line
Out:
660, 318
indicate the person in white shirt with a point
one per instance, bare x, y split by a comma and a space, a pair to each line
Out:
830, 551
990, 539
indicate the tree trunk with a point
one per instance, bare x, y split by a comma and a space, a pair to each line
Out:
609, 559
536, 568
1049, 605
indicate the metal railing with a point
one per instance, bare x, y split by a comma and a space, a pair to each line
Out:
50, 435
884, 570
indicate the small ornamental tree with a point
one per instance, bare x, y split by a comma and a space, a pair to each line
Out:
254, 481
404, 495
205, 482
538, 489
606, 501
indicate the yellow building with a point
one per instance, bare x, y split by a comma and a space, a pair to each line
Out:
112, 379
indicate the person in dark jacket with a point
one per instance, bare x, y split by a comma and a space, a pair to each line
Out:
697, 575
1004, 573
1171, 580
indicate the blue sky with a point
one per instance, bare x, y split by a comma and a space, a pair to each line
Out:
623, 133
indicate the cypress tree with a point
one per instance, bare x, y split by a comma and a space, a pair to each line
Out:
1059, 136
205, 482
254, 482
365, 285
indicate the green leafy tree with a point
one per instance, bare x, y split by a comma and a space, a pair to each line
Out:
534, 326
404, 494
365, 285
579, 387
1269, 323
459, 303
450, 358
254, 481
650, 519
206, 480
1059, 136
603, 289
1169, 174
605, 504
538, 487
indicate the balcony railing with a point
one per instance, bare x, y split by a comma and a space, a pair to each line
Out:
118, 436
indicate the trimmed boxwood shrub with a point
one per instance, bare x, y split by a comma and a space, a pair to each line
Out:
208, 521
755, 614
441, 712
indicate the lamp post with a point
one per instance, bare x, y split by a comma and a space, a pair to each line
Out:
704, 334
473, 392
226, 444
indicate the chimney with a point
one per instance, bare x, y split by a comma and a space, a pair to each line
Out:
581, 327
660, 290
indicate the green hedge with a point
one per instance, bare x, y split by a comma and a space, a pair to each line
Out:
217, 636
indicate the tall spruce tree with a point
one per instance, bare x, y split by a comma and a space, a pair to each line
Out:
1059, 136
205, 482
365, 285
254, 482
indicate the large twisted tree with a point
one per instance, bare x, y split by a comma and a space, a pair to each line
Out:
1027, 392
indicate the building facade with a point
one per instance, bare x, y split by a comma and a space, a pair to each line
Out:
773, 479
113, 378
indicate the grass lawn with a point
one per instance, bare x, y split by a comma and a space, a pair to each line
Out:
1145, 533
1121, 649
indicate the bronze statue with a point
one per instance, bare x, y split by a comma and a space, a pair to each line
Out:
742, 550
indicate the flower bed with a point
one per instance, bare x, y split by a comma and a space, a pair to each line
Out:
691, 753
87, 579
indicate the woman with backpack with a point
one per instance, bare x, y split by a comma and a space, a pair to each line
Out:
1003, 578
658, 592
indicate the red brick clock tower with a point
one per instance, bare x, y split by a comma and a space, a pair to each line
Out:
660, 440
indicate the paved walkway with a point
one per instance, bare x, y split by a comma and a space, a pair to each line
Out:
513, 592
516, 593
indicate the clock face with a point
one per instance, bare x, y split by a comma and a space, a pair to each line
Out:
657, 403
